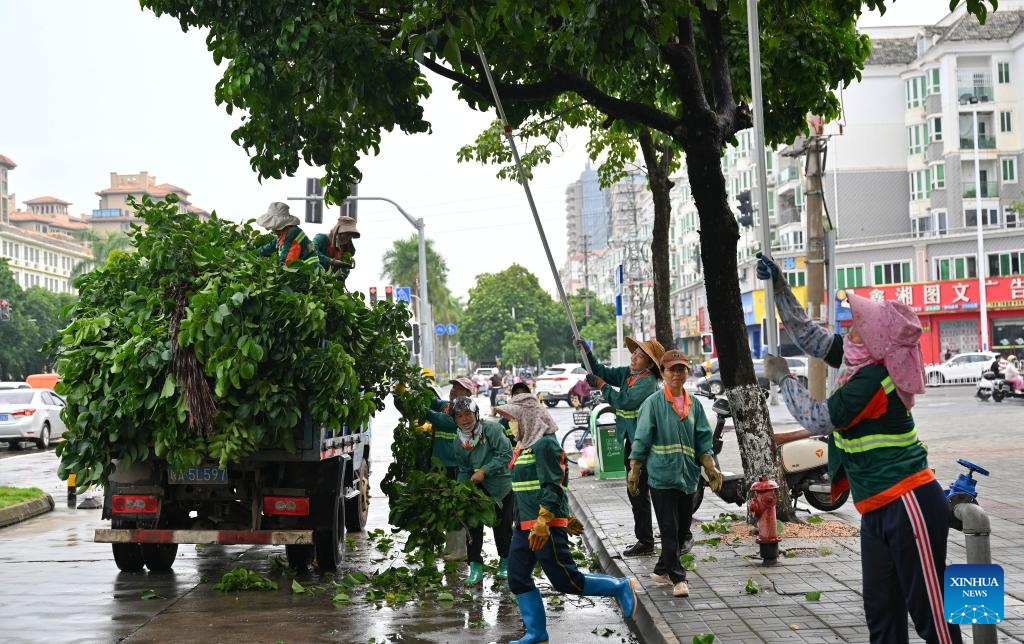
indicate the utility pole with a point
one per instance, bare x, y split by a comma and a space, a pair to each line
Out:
586, 279
813, 191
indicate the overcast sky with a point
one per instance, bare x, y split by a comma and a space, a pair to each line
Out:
102, 86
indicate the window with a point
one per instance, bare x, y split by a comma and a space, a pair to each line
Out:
771, 203
1009, 169
915, 88
956, 268
917, 138
920, 184
989, 217
934, 84
1002, 264
849, 276
1005, 123
934, 223
1011, 217
796, 278
769, 162
938, 176
936, 125
1004, 73
894, 273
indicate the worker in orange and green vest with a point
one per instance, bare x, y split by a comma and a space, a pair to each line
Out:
337, 249
291, 243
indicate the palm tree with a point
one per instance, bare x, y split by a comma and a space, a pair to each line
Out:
401, 266
102, 246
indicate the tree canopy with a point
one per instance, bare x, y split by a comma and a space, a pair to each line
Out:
35, 318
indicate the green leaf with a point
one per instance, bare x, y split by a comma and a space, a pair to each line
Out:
814, 519
298, 588
752, 588
445, 597
151, 594
813, 596
703, 638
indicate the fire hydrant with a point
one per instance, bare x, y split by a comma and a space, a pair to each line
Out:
762, 507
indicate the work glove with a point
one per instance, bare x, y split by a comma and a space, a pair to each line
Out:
400, 388
767, 269
711, 470
539, 532
633, 478
574, 528
592, 381
775, 368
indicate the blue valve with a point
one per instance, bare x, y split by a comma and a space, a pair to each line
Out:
965, 483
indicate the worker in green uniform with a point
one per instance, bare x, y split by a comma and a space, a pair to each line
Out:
482, 454
291, 243
625, 389
674, 439
337, 249
540, 479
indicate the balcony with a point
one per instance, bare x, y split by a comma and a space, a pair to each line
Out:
985, 142
791, 173
981, 93
988, 189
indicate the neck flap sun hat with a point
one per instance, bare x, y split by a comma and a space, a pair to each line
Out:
278, 216
652, 348
891, 331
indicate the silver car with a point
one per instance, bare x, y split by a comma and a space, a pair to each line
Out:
30, 415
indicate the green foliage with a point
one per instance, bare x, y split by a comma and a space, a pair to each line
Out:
813, 595
815, 520
261, 347
704, 638
752, 588
240, 579
151, 594
36, 314
11, 495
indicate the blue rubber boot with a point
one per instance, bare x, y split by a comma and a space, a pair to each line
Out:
502, 568
476, 573
531, 607
620, 588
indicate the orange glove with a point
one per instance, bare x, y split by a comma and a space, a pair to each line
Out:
539, 532
575, 528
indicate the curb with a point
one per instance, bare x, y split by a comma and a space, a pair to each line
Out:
650, 625
25, 510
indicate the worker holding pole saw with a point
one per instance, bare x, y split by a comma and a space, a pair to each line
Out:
545, 540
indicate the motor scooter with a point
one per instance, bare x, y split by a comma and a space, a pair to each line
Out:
804, 461
996, 388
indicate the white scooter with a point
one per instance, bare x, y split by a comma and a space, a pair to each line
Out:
804, 461
996, 388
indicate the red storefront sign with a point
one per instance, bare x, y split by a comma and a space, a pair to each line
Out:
950, 296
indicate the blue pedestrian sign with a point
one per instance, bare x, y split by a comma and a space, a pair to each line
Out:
451, 329
403, 294
439, 329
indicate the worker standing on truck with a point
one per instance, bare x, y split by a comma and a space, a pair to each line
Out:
483, 452
540, 479
625, 389
291, 243
337, 249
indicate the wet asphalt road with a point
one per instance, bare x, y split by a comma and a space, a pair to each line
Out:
56, 585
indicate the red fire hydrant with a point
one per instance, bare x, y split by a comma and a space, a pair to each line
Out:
762, 507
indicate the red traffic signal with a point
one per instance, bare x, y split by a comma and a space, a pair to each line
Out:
707, 344
389, 293
5, 310
373, 295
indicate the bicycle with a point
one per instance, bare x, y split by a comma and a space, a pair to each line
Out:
578, 437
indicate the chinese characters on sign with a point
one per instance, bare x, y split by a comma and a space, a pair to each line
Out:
949, 296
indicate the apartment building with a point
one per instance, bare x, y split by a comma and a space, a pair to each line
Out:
115, 215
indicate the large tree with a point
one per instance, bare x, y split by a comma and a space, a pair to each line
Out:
35, 318
320, 82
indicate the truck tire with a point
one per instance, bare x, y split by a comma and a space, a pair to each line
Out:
159, 557
329, 515
358, 507
127, 556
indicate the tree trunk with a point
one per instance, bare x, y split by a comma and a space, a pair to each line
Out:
719, 234
659, 160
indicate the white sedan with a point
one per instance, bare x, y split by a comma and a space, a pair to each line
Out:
556, 382
30, 415
963, 368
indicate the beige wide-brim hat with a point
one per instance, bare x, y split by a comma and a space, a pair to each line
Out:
278, 216
346, 224
652, 348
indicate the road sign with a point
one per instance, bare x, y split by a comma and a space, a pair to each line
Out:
403, 294
450, 329
439, 329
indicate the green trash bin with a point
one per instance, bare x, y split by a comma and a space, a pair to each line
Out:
610, 464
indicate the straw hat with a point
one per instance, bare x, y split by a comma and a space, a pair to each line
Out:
278, 216
652, 348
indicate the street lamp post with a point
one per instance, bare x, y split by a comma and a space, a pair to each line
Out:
983, 299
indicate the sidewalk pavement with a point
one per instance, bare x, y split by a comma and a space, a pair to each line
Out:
719, 603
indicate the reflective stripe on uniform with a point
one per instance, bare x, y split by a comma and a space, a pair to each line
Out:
526, 458
888, 385
446, 435
875, 441
525, 486
676, 448
627, 413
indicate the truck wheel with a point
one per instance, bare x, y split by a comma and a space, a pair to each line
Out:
329, 515
550, 403
159, 557
357, 508
127, 556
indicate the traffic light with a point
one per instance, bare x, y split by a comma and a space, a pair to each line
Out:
707, 344
416, 338
314, 207
389, 293
746, 208
5, 310
373, 295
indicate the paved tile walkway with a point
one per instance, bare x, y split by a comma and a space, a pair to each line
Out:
779, 612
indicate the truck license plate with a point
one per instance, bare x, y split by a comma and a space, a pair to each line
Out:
200, 475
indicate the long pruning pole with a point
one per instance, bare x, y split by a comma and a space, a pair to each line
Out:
529, 197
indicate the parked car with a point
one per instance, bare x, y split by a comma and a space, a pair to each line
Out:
482, 379
712, 384
963, 368
554, 384
30, 415
798, 367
